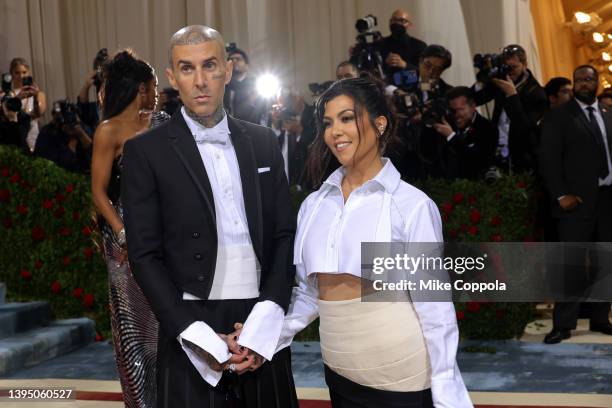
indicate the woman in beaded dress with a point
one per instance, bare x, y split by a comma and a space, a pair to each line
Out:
129, 97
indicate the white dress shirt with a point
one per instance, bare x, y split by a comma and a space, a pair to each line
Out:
328, 239
602, 127
263, 325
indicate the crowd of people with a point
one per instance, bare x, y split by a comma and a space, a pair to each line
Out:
388, 118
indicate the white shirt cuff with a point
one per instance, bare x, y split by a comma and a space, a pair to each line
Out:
262, 329
450, 393
203, 336
449, 137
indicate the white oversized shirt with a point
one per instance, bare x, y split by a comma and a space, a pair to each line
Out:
262, 328
328, 239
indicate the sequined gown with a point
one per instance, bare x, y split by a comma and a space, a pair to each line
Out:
133, 324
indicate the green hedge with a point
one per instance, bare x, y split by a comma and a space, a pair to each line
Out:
49, 245
48, 240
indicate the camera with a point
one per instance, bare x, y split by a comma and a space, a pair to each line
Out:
318, 88
13, 104
409, 102
67, 113
99, 60
490, 66
230, 48
366, 55
27, 81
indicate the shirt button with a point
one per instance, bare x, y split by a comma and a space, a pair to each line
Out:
201, 278
195, 235
198, 257
235, 222
332, 245
217, 156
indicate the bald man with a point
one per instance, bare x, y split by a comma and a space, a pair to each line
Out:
400, 51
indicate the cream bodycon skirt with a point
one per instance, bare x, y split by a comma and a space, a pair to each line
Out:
376, 344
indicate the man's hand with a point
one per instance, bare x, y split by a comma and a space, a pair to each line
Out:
394, 60
444, 128
569, 202
506, 85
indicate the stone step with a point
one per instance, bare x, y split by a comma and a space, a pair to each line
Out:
43, 343
21, 317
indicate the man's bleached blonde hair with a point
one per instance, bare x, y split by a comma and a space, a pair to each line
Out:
196, 34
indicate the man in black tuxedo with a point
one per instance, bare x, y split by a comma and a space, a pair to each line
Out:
469, 145
576, 167
210, 233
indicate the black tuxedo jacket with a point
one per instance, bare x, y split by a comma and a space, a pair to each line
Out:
170, 216
570, 157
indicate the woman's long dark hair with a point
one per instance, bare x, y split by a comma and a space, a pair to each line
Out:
122, 77
369, 97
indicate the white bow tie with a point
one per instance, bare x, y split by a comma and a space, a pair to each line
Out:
214, 135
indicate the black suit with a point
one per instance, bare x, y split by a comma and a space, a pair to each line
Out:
570, 163
172, 238
525, 110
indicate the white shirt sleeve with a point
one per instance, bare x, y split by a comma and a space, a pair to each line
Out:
262, 328
438, 321
303, 309
204, 336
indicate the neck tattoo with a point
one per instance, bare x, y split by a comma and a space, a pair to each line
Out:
208, 121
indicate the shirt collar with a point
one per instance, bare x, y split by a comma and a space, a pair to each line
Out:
388, 177
216, 134
584, 106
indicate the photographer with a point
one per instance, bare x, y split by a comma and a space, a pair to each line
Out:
520, 103
33, 100
65, 140
90, 111
346, 69
14, 124
240, 99
470, 143
400, 51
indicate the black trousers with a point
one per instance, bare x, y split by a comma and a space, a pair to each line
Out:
345, 393
179, 385
577, 277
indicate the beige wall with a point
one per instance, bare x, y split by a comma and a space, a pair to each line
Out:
300, 40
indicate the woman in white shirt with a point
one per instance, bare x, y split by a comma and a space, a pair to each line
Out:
376, 354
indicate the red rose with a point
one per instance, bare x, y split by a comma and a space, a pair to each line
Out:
15, 178
6, 172
521, 184
447, 208
38, 264
473, 306
60, 197
497, 238
64, 231
458, 198
5, 195
86, 231
38, 234
47, 204
453, 233
99, 337
495, 221
59, 213
22, 209
499, 313
475, 216
76, 215
473, 230
26, 275
77, 293
69, 188
66, 260
88, 252
460, 315
471, 199
463, 227
56, 287
8, 223
88, 300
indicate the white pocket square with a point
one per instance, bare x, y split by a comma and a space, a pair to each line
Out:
263, 169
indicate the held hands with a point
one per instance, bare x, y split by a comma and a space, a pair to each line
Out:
506, 85
243, 359
569, 202
394, 60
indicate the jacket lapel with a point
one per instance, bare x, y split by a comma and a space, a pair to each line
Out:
185, 147
251, 191
581, 117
